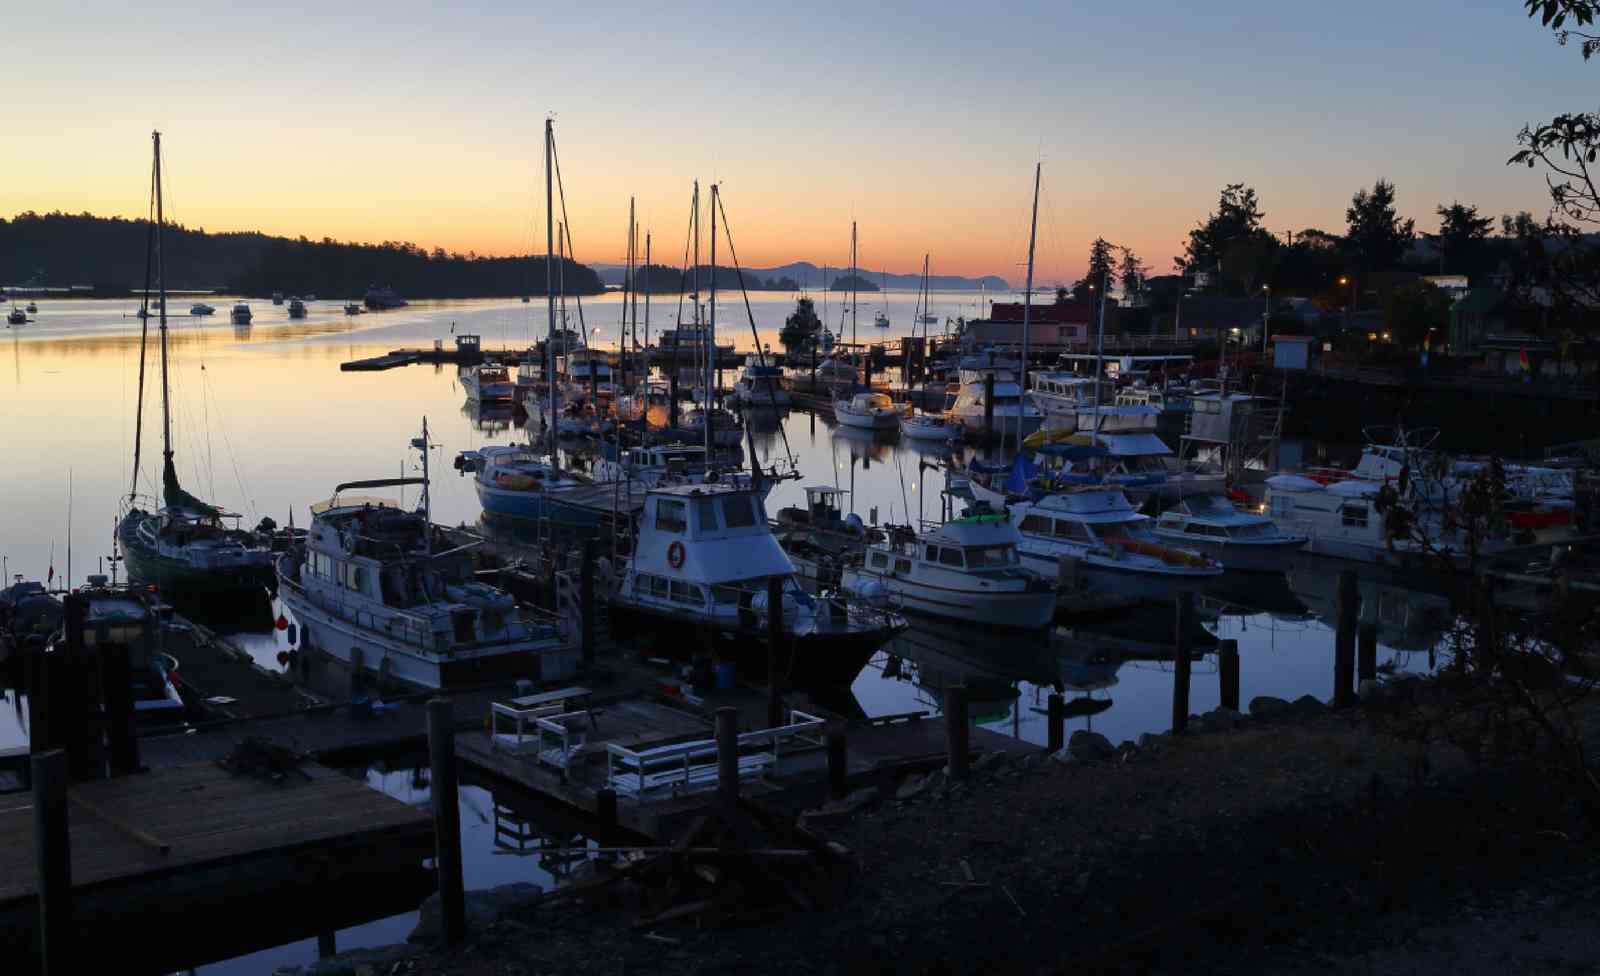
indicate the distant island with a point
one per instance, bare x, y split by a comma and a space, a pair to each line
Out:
108, 253
659, 279
853, 283
802, 275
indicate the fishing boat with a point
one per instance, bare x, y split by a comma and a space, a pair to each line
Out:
183, 547
761, 384
353, 308
512, 481
277, 298
1093, 533
16, 316
380, 298
1063, 395
1236, 538
486, 382
726, 430
297, 308
240, 314
702, 564
867, 411
201, 308
379, 590
966, 569
29, 614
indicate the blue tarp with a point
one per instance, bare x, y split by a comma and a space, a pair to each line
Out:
1022, 471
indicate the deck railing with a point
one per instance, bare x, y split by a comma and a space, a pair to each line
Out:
685, 767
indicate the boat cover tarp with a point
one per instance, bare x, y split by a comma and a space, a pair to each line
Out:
1023, 470
1073, 452
1129, 445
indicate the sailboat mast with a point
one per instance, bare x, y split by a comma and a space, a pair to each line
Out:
550, 287
646, 302
144, 336
1099, 356
161, 298
711, 331
852, 282
633, 260
1027, 307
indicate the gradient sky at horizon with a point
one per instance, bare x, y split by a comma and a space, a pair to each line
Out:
422, 122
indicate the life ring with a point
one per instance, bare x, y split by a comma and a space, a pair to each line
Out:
675, 555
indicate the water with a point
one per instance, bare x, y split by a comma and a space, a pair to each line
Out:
266, 424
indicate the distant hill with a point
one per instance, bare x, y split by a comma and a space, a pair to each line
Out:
109, 253
812, 276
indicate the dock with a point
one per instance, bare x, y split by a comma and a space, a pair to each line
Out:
197, 845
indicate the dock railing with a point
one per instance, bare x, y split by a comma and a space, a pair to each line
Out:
685, 767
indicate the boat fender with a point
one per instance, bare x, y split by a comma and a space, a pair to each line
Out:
675, 554
282, 623
854, 524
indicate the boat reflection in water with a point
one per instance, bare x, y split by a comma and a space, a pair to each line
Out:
1408, 616
489, 416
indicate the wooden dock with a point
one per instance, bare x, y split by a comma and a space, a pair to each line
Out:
190, 843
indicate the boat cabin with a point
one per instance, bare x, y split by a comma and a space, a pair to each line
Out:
705, 547
982, 544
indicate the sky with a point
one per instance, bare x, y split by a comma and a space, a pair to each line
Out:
922, 122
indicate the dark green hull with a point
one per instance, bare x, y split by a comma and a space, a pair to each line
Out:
177, 580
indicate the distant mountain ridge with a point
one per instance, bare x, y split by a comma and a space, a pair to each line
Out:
811, 277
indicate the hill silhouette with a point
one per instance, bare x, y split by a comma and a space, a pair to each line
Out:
109, 253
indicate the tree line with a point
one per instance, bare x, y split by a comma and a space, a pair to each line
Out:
109, 253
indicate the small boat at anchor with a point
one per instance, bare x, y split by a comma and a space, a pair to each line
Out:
16, 316
201, 308
868, 411
240, 314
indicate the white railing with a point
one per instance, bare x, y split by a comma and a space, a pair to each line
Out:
688, 766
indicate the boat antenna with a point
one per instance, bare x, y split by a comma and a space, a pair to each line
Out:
425, 503
550, 288
1027, 309
711, 332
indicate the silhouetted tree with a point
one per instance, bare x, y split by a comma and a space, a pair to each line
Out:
1237, 217
800, 330
1460, 232
1377, 238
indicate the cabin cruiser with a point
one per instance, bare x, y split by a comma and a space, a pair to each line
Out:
966, 569
514, 482
201, 308
687, 343
650, 398
761, 385
1101, 538
16, 316
1238, 539
353, 308
820, 538
240, 314
868, 411
277, 298
702, 564
1378, 523
29, 614
1009, 416
589, 370
486, 381
668, 464
379, 589
1062, 395
297, 308
383, 298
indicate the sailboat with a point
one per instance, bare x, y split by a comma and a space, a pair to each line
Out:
881, 320
183, 547
926, 426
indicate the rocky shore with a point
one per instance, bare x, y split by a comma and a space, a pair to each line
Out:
1290, 839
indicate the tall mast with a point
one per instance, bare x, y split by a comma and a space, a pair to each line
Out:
852, 282
550, 287
646, 301
144, 330
1027, 308
711, 330
633, 261
627, 289
1099, 356
161, 298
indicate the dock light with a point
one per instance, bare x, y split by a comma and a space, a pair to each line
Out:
1372, 337
1386, 337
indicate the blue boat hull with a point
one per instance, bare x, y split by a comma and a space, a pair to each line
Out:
532, 506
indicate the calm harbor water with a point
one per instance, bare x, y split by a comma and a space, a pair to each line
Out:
266, 424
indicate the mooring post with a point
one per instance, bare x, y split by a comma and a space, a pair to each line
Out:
838, 761
1184, 623
69, 707
1055, 723
327, 944
1228, 672
1344, 639
53, 855
1367, 653
446, 819
36, 664
775, 644
605, 807
586, 600
728, 756
955, 729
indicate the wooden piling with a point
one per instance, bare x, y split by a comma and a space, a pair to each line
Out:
1056, 723
1344, 640
1367, 653
586, 600
53, 855
1228, 672
728, 756
1181, 649
775, 658
838, 760
116, 683
955, 730
446, 819
69, 684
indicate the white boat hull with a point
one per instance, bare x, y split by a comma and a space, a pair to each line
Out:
869, 421
1024, 610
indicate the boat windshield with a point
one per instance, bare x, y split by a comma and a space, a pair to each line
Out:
991, 557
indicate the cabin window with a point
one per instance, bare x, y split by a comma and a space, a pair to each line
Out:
1354, 515
880, 561
1036, 524
687, 593
705, 514
1074, 531
737, 512
902, 565
989, 557
726, 594
671, 515
358, 579
950, 557
933, 554
658, 586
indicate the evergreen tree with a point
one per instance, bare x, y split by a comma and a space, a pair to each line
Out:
800, 330
1378, 238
